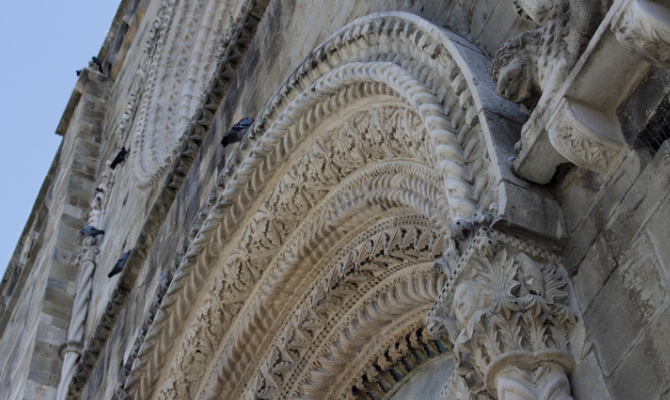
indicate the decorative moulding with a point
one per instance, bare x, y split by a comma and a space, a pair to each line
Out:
587, 137
644, 29
176, 80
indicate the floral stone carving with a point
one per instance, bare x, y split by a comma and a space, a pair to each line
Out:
505, 310
644, 30
587, 137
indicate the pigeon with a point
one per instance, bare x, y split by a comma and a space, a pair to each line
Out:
120, 157
120, 263
91, 231
79, 72
237, 132
97, 62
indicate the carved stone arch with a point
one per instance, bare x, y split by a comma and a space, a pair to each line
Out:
354, 289
393, 361
402, 298
436, 129
184, 44
297, 265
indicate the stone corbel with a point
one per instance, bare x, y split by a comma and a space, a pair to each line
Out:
504, 307
587, 137
643, 28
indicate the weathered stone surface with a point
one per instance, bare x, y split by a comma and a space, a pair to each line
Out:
587, 380
644, 371
626, 304
594, 271
297, 262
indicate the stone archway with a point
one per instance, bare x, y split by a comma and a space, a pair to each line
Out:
381, 127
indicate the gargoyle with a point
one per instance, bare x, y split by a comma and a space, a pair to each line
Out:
538, 62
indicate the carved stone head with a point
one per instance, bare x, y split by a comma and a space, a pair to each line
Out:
467, 301
514, 69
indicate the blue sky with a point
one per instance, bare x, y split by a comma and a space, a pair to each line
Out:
43, 43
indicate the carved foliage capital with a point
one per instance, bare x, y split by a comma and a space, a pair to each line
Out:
644, 30
504, 308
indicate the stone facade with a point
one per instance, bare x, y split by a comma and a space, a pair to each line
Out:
435, 199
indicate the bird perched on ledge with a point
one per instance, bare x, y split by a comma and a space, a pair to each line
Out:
91, 231
120, 157
120, 263
98, 64
237, 132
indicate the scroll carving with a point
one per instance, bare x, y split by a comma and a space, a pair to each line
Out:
505, 309
644, 30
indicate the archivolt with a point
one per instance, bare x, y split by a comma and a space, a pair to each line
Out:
187, 37
406, 295
261, 302
356, 63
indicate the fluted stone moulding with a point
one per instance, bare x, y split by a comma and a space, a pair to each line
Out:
589, 138
504, 307
644, 29
188, 39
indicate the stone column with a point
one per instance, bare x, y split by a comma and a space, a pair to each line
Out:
71, 350
504, 307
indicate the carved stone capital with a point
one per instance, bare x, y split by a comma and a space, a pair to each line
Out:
504, 307
71, 346
644, 30
589, 138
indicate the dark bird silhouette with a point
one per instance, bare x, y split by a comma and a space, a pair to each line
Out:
91, 231
97, 63
237, 132
79, 72
120, 157
120, 263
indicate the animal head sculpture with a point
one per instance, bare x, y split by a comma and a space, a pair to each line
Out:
514, 69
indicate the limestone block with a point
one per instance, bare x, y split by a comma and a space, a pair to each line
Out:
587, 380
659, 232
593, 273
625, 305
645, 372
643, 198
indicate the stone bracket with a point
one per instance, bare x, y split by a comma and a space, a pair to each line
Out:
590, 138
578, 123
